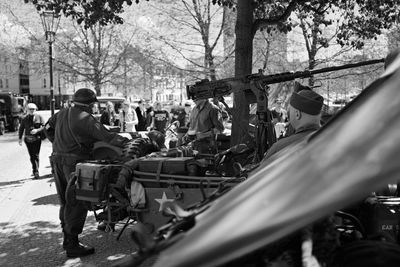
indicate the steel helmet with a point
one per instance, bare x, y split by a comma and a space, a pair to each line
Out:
84, 96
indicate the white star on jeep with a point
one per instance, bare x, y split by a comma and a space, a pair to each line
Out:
162, 200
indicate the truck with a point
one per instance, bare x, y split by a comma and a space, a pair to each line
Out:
11, 111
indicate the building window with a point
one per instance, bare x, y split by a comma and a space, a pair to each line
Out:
1, 83
6, 83
44, 83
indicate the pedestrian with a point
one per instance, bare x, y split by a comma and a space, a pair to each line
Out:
127, 118
279, 118
95, 109
178, 114
141, 115
75, 131
304, 117
108, 115
181, 115
160, 119
65, 104
279, 114
149, 117
31, 127
188, 110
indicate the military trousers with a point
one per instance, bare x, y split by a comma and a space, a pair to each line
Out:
72, 215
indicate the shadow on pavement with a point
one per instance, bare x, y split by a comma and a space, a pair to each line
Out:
14, 183
46, 176
22, 181
39, 244
46, 200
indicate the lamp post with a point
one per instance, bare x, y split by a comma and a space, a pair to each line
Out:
50, 21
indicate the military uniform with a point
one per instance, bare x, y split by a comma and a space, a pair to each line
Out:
205, 120
295, 138
75, 132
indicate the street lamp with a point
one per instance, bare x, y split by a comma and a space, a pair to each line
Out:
50, 21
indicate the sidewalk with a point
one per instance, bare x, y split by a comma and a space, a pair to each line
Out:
30, 234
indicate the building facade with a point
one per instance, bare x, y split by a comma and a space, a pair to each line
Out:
168, 84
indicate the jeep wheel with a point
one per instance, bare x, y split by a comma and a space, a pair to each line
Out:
137, 148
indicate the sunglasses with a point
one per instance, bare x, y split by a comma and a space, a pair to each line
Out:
32, 109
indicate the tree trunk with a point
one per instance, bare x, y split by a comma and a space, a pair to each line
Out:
97, 88
97, 82
243, 66
210, 65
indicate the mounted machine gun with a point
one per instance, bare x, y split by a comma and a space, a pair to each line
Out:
255, 88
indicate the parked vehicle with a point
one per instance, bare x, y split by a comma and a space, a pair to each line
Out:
11, 111
117, 101
352, 155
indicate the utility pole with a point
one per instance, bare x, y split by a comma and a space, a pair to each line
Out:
59, 89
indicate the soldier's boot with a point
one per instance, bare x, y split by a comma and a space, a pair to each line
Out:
74, 248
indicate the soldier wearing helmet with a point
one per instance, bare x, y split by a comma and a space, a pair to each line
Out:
75, 132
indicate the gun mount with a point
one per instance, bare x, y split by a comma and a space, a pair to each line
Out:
255, 87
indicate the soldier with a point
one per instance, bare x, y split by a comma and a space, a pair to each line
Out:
75, 131
205, 121
205, 118
304, 116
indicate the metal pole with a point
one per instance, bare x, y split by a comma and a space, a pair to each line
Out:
53, 101
59, 90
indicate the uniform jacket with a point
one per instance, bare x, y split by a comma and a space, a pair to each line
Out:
295, 138
204, 118
86, 129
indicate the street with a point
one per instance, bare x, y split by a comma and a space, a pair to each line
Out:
30, 234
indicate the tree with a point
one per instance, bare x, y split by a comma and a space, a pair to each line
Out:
367, 22
201, 25
320, 29
87, 13
95, 54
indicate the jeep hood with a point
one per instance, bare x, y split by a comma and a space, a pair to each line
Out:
354, 154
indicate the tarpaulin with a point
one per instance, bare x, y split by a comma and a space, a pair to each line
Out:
355, 154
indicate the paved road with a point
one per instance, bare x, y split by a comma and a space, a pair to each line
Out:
29, 227
14, 159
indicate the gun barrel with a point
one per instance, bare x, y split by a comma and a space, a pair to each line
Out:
347, 66
208, 89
